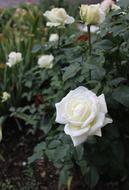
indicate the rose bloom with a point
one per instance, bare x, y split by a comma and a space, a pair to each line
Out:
58, 17
92, 14
46, 61
53, 38
5, 96
83, 113
14, 58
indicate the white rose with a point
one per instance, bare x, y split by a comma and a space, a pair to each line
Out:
83, 113
58, 17
46, 61
5, 96
14, 58
53, 38
92, 14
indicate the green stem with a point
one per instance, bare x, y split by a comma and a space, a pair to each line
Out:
89, 39
59, 41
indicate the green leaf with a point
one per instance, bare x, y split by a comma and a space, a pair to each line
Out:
98, 73
64, 176
104, 45
124, 3
38, 152
40, 147
71, 71
46, 127
36, 48
92, 176
115, 82
121, 95
35, 157
61, 152
50, 154
80, 152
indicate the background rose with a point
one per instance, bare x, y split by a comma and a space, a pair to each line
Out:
13, 58
54, 37
46, 61
58, 17
92, 14
83, 113
5, 96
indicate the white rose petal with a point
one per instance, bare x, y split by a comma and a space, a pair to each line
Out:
83, 113
79, 139
83, 28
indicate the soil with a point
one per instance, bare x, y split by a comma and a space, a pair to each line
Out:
16, 146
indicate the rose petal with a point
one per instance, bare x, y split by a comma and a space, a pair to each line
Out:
102, 102
99, 123
98, 133
69, 20
52, 24
59, 113
74, 131
107, 121
79, 140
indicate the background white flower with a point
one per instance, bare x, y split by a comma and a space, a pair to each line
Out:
92, 14
83, 28
106, 5
58, 17
14, 58
46, 61
5, 96
83, 113
54, 37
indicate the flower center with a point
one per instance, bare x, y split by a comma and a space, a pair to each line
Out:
79, 109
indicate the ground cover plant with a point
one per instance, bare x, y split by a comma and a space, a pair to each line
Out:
64, 87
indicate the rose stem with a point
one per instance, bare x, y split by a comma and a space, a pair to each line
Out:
89, 38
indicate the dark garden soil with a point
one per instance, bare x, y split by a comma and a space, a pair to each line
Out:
15, 173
